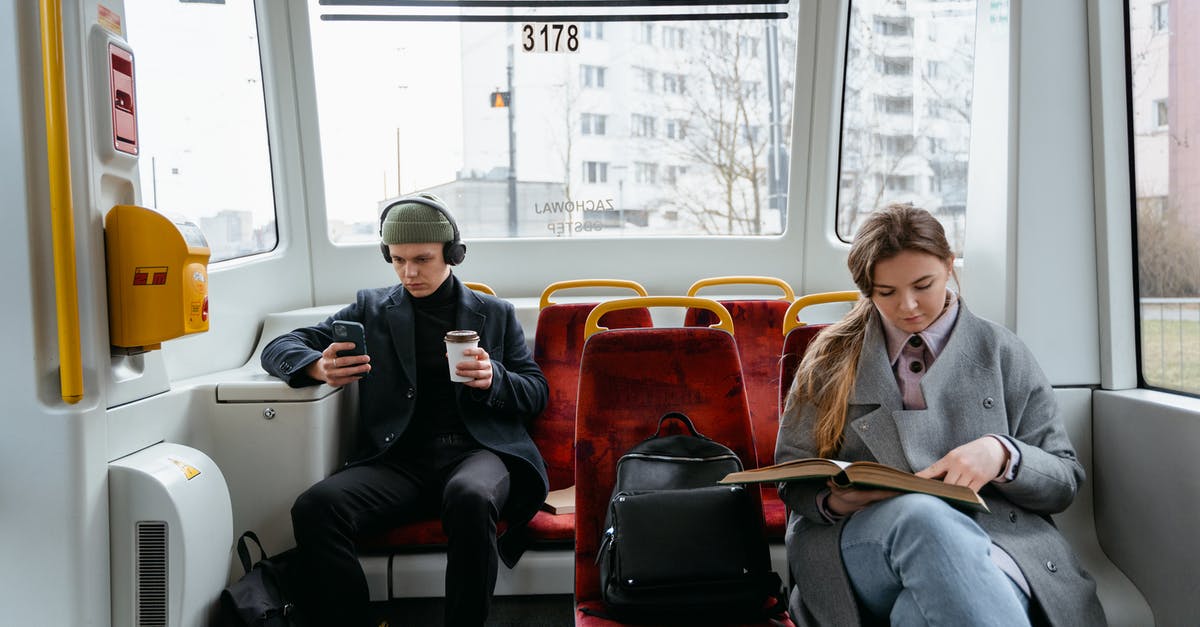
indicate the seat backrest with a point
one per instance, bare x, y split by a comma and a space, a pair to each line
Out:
480, 287
557, 347
797, 336
759, 324
794, 345
629, 378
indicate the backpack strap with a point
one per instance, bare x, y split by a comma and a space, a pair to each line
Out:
243, 550
687, 422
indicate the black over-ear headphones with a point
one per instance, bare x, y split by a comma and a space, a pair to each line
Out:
454, 251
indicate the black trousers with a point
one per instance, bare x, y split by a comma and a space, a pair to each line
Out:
466, 484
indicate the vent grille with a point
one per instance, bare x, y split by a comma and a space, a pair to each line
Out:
151, 574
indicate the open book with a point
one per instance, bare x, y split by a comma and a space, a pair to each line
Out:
560, 501
862, 474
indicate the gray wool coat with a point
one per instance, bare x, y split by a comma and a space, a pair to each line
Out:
984, 381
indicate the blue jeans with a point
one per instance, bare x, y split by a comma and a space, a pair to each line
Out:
915, 560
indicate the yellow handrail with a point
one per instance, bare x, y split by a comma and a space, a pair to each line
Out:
788, 294
480, 287
592, 326
66, 290
790, 317
562, 285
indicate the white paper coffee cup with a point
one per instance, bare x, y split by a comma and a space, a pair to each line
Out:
456, 343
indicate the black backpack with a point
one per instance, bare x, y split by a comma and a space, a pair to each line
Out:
678, 546
266, 595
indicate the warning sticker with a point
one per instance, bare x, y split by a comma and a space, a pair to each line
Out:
189, 472
108, 19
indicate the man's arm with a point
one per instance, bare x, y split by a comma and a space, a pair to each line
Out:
293, 355
518, 385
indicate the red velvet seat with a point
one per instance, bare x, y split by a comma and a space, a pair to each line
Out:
628, 378
796, 338
798, 335
759, 324
557, 347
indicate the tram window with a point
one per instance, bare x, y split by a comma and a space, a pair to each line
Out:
671, 136
906, 111
1165, 93
202, 116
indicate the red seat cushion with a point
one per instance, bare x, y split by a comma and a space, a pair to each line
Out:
774, 514
426, 532
417, 534
547, 527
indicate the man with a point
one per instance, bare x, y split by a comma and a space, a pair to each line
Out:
426, 446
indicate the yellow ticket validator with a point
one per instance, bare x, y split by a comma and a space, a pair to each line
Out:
157, 278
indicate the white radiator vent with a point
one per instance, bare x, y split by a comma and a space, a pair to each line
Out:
151, 560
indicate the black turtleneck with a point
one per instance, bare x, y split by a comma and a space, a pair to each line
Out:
436, 410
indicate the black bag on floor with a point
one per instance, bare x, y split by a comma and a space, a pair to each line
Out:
266, 595
678, 546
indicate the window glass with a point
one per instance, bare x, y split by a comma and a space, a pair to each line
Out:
906, 111
202, 120
647, 126
1164, 84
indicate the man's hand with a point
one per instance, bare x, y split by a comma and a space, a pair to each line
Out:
339, 371
973, 464
479, 370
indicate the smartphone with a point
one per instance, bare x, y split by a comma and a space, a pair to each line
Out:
350, 331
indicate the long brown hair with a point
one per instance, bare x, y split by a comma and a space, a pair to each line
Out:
826, 376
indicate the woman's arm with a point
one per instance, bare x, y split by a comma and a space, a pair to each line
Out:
796, 441
1048, 474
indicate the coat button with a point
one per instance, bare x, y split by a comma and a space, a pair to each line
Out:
388, 437
988, 402
410, 393
1012, 517
1052, 567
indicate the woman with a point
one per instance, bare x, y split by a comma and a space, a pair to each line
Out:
910, 378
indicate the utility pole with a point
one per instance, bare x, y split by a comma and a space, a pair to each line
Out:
512, 153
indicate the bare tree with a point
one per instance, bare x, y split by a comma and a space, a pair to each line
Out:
1167, 263
722, 139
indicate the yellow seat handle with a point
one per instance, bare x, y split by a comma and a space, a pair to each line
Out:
480, 287
562, 285
788, 294
793, 312
592, 326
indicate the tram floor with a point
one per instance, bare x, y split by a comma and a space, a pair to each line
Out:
556, 610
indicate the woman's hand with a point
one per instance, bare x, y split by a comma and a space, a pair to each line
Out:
846, 501
973, 464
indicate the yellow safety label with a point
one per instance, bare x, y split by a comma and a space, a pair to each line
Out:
189, 472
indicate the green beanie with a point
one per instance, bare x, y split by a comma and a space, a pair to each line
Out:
415, 223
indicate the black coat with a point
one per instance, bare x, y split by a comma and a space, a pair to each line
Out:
496, 417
